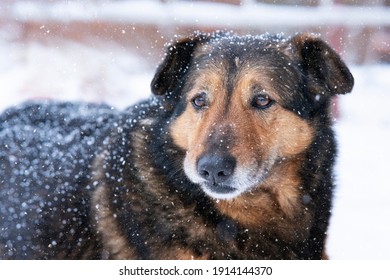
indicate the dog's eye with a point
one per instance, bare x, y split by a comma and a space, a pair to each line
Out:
199, 101
262, 101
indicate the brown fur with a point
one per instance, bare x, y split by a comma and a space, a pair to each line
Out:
250, 136
231, 159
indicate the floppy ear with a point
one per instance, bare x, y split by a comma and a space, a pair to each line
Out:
323, 67
170, 73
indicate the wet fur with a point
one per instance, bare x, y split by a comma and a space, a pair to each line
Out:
145, 199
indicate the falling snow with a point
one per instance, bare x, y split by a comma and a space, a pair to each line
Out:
361, 205
61, 141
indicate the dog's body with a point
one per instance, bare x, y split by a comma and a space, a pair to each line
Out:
232, 160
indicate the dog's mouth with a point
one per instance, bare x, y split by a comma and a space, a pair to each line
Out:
220, 191
220, 188
243, 181
220, 177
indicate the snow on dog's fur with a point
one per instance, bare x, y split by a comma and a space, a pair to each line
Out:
231, 159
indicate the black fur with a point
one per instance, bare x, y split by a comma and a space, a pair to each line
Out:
87, 181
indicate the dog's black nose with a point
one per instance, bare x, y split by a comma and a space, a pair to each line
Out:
216, 169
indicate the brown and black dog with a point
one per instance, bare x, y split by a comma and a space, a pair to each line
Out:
231, 159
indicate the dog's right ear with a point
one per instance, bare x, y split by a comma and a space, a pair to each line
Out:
324, 68
170, 73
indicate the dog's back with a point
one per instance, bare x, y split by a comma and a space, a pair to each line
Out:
46, 155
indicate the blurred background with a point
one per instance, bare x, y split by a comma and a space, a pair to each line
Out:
107, 51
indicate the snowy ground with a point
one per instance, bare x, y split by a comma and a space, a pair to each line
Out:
360, 226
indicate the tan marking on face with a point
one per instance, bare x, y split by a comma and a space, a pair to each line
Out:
257, 137
190, 125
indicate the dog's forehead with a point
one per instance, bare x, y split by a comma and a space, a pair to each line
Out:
235, 56
244, 47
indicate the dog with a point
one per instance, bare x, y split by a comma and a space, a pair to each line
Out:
230, 158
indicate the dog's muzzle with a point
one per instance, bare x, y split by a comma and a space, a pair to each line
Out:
216, 170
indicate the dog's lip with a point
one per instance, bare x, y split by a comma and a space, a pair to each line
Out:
220, 188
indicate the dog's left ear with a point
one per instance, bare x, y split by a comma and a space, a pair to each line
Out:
170, 73
323, 67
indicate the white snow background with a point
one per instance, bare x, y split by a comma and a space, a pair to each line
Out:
360, 224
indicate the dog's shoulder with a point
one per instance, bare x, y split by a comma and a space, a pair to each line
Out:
46, 153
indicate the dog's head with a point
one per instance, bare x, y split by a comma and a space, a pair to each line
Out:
243, 104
